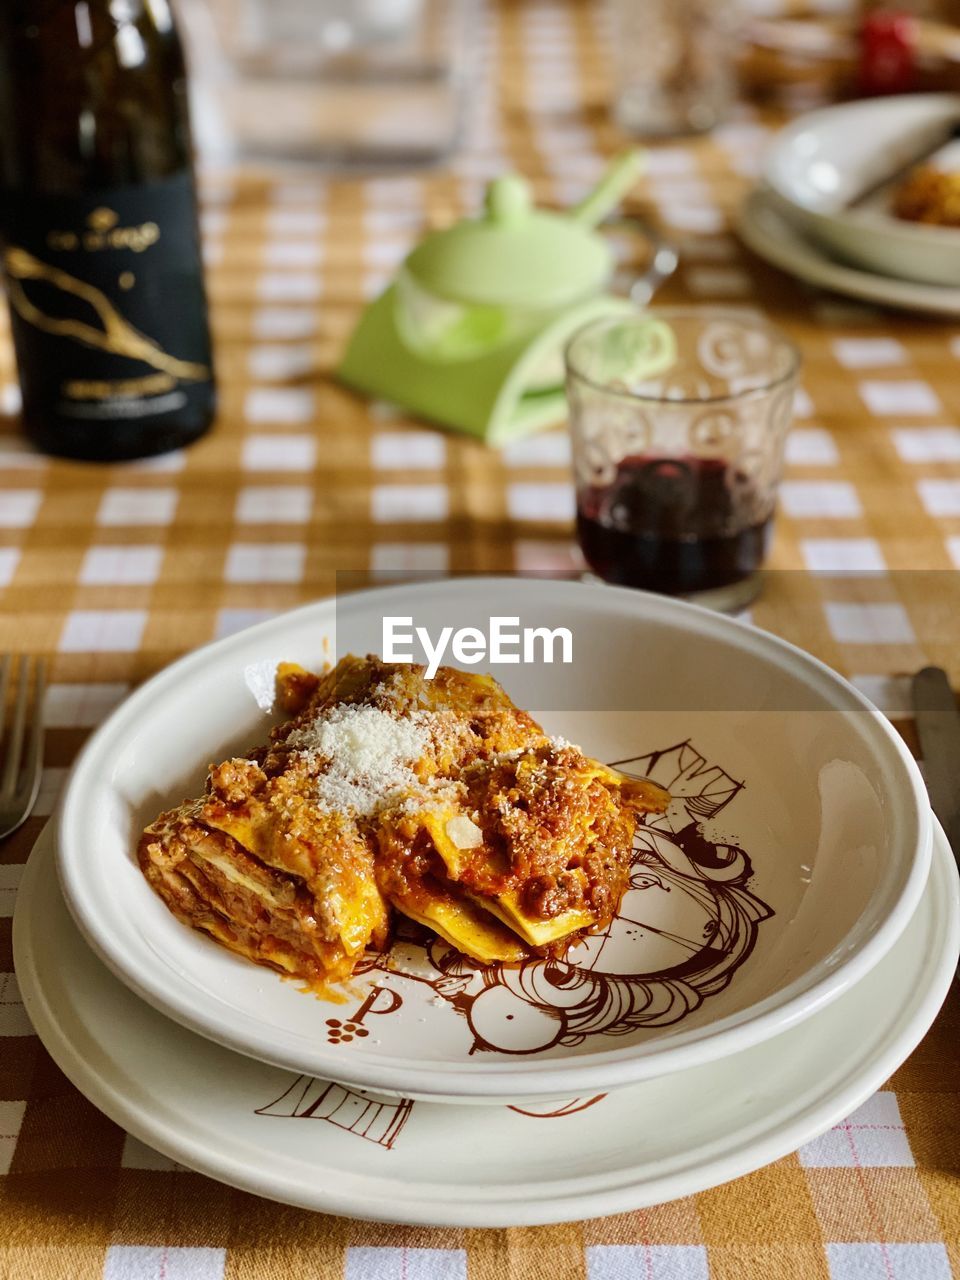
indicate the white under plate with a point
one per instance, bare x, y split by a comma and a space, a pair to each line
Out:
772, 237
325, 1147
799, 784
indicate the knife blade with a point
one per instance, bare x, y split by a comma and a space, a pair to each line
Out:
938, 727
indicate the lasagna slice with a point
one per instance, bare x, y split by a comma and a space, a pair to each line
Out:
538, 837
261, 870
385, 791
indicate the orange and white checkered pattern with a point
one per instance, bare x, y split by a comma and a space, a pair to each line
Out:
115, 570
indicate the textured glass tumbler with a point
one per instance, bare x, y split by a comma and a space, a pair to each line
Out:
674, 64
679, 420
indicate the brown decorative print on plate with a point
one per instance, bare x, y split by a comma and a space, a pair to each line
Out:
685, 925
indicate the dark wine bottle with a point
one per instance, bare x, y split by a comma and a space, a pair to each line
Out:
101, 251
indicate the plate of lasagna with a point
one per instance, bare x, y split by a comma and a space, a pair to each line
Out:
531, 882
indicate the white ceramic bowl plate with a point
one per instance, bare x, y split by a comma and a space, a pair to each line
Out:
823, 160
773, 236
333, 1149
820, 846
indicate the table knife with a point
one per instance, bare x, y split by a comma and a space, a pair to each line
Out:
897, 175
938, 727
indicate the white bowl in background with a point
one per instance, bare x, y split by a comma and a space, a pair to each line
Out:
819, 163
772, 751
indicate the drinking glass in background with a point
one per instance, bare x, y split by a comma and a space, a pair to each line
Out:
339, 82
674, 64
679, 420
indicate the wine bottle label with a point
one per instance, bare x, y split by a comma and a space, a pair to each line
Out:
107, 301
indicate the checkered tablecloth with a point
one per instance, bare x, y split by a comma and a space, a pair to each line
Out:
114, 571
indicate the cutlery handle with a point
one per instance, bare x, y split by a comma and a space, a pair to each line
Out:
938, 727
903, 169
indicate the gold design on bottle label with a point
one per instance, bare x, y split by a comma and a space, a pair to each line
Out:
117, 335
102, 232
103, 219
153, 384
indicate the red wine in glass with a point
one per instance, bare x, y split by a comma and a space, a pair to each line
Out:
674, 525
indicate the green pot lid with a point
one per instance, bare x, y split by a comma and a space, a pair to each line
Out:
514, 255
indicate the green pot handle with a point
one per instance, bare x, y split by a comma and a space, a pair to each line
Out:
610, 190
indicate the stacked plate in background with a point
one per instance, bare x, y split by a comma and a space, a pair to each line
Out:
823, 210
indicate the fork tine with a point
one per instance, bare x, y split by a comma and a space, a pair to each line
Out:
11, 764
4, 682
33, 765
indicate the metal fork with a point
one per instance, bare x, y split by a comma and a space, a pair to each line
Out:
20, 778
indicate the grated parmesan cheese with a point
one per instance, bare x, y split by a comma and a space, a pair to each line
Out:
435, 793
365, 755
